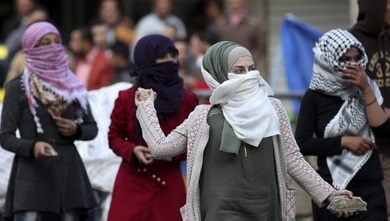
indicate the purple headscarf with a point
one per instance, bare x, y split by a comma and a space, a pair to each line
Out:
50, 64
163, 77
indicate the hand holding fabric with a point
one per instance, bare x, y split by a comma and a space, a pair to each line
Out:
357, 144
356, 75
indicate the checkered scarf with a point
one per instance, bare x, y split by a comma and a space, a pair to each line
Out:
50, 65
351, 119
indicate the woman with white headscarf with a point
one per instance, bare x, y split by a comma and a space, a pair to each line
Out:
342, 109
240, 148
48, 106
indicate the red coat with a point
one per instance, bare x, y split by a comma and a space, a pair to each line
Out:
145, 193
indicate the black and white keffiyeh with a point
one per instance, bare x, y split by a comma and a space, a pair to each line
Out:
351, 119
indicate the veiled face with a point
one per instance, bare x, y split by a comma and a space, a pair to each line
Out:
170, 56
242, 65
353, 55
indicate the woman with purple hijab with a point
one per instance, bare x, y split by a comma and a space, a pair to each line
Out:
48, 107
147, 189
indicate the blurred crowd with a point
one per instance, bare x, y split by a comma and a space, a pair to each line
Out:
100, 52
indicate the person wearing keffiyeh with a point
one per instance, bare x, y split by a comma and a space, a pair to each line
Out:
342, 110
240, 147
48, 107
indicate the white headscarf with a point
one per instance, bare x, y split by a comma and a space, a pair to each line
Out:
246, 106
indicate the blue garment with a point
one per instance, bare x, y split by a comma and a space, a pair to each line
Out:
298, 40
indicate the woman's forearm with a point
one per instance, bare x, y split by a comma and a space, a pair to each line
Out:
375, 113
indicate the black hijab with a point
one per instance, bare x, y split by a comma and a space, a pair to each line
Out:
163, 78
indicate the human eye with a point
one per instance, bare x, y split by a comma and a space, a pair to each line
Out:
173, 54
44, 42
57, 40
239, 70
164, 56
343, 59
359, 57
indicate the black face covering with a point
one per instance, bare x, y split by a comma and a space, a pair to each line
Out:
163, 78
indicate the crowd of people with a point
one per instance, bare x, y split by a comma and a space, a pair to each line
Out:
95, 48
238, 143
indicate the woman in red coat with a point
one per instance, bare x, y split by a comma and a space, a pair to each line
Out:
146, 189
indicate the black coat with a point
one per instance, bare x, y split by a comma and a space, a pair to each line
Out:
49, 185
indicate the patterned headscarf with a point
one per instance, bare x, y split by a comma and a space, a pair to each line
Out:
164, 77
351, 118
328, 69
249, 115
50, 65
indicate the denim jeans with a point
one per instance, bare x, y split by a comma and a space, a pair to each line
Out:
38, 216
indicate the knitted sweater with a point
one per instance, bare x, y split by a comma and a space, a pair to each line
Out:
192, 136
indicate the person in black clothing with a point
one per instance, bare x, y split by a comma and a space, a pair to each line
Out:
45, 110
342, 110
372, 29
